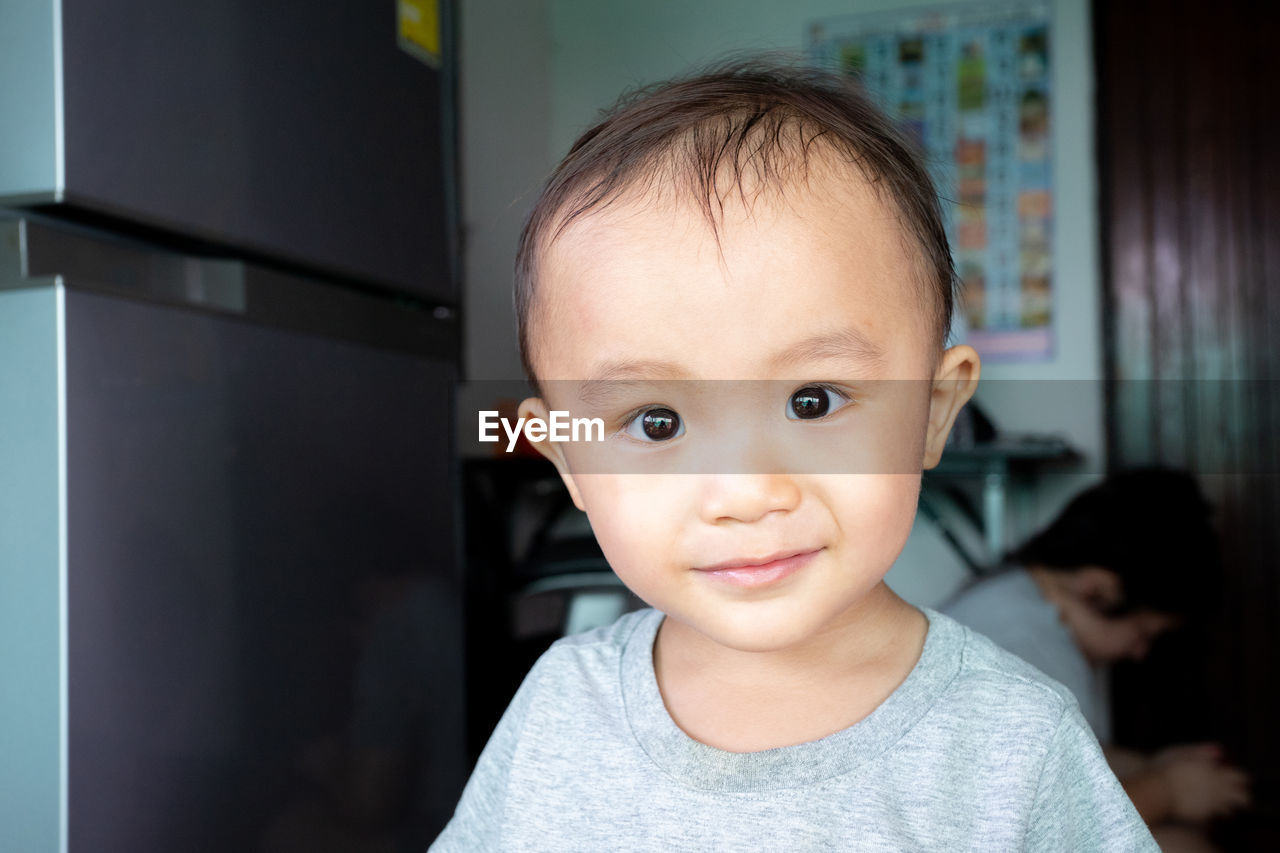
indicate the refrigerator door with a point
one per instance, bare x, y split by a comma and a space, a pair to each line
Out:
232, 601
315, 133
261, 583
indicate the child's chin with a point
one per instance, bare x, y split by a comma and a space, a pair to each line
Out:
759, 634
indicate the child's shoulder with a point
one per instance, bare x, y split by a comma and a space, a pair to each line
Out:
591, 659
995, 680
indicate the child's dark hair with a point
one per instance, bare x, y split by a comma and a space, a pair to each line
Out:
1151, 526
754, 119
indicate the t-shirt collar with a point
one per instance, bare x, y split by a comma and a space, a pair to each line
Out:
708, 768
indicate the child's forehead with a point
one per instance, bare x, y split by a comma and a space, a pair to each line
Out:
654, 271
820, 207
831, 220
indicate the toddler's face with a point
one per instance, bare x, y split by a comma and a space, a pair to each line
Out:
769, 402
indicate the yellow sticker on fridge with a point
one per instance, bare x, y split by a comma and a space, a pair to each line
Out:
420, 29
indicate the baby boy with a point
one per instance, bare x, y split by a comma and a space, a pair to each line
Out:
745, 275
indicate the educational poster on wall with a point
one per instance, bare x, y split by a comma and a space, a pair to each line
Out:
971, 85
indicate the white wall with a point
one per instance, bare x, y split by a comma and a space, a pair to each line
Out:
504, 93
504, 81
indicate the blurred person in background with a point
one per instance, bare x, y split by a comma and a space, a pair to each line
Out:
1126, 562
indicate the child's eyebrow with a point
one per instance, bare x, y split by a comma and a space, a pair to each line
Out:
615, 377
848, 343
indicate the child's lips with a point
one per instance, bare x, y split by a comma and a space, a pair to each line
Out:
761, 572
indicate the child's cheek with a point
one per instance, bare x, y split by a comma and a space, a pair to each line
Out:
872, 512
636, 519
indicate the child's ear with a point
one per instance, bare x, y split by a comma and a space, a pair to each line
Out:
535, 407
953, 384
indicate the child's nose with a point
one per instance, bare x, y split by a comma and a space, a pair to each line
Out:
746, 497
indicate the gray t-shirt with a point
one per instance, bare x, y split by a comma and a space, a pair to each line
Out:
1009, 609
973, 751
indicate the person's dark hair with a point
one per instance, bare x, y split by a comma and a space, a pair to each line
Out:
756, 120
1151, 526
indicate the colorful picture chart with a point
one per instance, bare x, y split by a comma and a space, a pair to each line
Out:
971, 85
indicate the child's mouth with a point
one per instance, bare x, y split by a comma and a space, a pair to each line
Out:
755, 573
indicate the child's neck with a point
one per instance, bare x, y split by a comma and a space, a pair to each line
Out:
751, 701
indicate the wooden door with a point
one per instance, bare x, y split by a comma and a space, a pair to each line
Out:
1188, 135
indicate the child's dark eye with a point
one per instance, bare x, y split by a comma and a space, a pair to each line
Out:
814, 401
655, 425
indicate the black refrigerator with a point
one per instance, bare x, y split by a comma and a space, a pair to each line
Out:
230, 598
